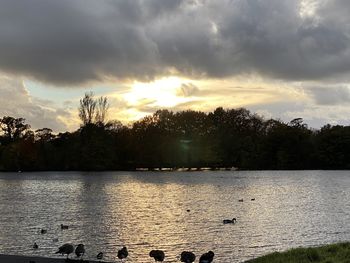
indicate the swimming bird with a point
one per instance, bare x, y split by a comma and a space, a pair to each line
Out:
43, 231
35, 246
99, 255
207, 257
65, 249
229, 221
122, 253
158, 255
187, 257
80, 250
240, 200
64, 226
253, 199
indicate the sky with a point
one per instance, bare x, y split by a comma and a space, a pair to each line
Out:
281, 59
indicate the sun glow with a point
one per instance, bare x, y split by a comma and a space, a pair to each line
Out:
159, 93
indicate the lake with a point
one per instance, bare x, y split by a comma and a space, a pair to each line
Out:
148, 210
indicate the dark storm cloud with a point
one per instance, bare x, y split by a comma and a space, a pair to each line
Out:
76, 41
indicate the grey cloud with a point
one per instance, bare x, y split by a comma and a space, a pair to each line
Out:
16, 102
187, 90
330, 95
71, 42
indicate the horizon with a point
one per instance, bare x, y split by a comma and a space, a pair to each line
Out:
279, 59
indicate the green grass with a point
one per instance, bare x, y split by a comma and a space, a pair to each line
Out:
334, 253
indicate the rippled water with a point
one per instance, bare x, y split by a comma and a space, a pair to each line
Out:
147, 211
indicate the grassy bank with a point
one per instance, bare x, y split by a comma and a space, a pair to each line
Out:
335, 253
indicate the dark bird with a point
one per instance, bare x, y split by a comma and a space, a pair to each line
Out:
188, 210
187, 257
99, 255
207, 257
240, 200
253, 199
35, 246
229, 221
43, 231
65, 249
122, 253
64, 226
158, 255
80, 250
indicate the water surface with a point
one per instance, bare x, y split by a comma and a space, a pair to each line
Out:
145, 210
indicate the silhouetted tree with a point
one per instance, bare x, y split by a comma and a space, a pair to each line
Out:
13, 128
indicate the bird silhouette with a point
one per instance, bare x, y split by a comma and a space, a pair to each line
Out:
99, 255
187, 257
229, 221
35, 246
80, 250
65, 249
43, 231
158, 255
64, 226
207, 257
123, 253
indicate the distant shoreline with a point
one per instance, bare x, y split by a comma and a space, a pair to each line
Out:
185, 170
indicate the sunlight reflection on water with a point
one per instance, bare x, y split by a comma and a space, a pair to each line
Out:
147, 211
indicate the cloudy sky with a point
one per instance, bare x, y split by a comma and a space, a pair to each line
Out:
280, 58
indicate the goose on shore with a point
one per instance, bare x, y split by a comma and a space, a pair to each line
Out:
158, 255
187, 257
80, 250
65, 249
99, 255
123, 253
229, 221
207, 257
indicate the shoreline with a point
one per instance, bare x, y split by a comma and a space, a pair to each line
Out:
4, 258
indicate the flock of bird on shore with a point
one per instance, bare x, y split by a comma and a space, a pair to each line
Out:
158, 255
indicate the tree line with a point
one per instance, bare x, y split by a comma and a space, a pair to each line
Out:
223, 138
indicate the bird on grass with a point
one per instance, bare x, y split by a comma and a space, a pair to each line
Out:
64, 226
99, 255
158, 255
229, 221
65, 249
207, 257
80, 250
122, 253
187, 257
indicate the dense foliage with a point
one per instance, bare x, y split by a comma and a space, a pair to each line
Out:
191, 139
